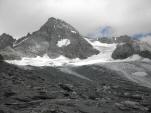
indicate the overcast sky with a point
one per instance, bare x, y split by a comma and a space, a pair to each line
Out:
18, 17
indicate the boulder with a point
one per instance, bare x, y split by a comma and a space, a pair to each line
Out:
123, 51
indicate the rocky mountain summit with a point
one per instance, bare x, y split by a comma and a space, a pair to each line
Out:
55, 38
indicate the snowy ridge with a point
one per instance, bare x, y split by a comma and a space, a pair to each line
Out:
16, 44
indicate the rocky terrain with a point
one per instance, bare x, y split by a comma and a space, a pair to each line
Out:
84, 89
71, 74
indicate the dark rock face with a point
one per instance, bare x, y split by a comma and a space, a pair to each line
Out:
123, 51
128, 49
6, 40
1, 58
45, 40
145, 54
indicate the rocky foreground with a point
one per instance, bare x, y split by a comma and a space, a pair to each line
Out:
86, 89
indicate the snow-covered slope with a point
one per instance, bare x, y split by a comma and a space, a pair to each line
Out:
103, 57
134, 68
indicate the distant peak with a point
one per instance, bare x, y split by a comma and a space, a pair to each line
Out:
54, 24
52, 19
6, 35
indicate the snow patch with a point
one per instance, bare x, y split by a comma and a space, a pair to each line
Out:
140, 74
73, 31
42, 61
63, 42
102, 46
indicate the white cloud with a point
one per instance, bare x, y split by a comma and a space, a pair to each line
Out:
126, 16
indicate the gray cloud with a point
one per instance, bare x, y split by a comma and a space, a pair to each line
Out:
18, 17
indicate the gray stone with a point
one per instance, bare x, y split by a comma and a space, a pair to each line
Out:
123, 51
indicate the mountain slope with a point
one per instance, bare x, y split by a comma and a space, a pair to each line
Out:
58, 90
6, 40
48, 38
6, 47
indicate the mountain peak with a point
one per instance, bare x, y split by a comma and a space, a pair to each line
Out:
52, 19
56, 37
6, 35
53, 25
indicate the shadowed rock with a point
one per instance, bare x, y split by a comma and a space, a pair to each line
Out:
1, 58
123, 51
